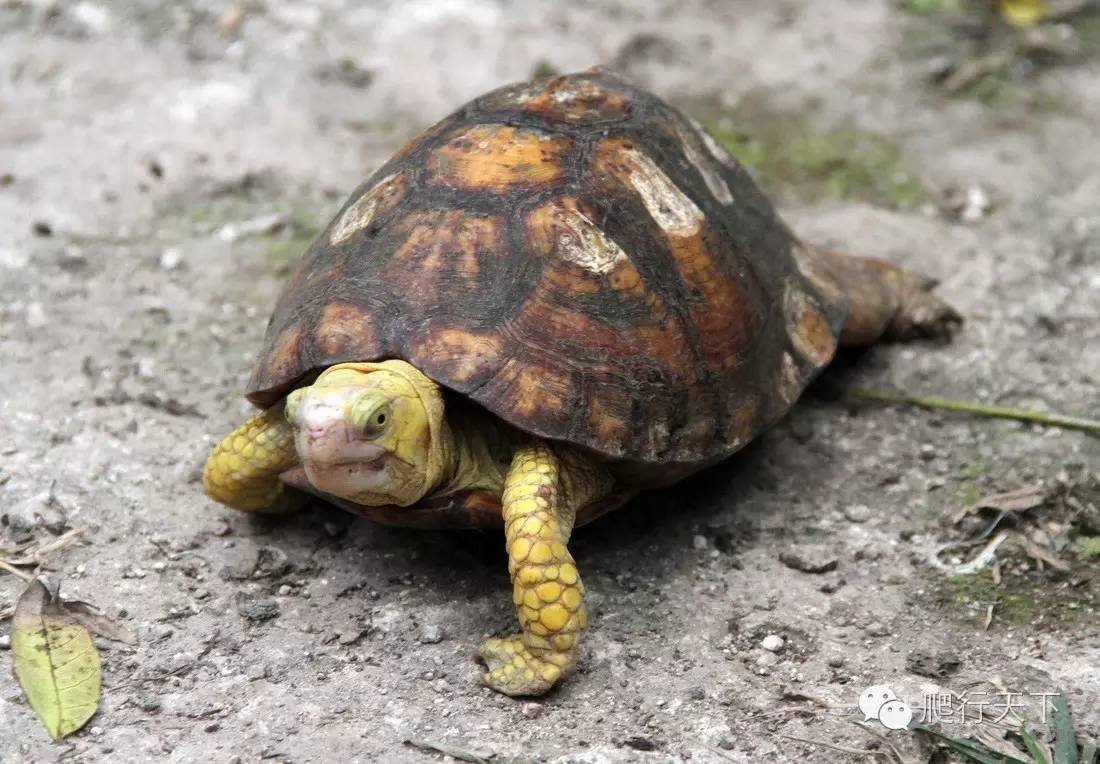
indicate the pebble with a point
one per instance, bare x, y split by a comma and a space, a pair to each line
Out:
284, 591
931, 664
858, 513
877, 629
431, 634
5, 641
699, 542
265, 224
773, 643
257, 610
170, 259
809, 558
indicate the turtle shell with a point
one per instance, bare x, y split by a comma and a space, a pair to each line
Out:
580, 259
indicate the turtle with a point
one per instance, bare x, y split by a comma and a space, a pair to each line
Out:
563, 294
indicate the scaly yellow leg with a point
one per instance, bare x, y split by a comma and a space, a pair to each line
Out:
242, 472
541, 496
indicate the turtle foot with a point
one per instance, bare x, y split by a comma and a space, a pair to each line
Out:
515, 670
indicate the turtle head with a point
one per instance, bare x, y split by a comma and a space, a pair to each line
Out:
370, 433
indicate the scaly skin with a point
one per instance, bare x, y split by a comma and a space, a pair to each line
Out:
541, 495
430, 455
243, 470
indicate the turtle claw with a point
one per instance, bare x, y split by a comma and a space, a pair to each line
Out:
515, 670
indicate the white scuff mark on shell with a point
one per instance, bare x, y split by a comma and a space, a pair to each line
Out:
711, 176
584, 244
574, 91
799, 309
813, 269
715, 148
360, 214
668, 205
790, 381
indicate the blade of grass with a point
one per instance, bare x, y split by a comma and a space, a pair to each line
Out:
1032, 745
974, 752
980, 409
1065, 737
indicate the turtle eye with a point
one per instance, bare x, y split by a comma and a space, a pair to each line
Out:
377, 421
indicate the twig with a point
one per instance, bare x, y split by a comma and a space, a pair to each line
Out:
15, 571
981, 409
445, 749
842, 749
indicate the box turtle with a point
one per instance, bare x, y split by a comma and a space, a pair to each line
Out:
564, 293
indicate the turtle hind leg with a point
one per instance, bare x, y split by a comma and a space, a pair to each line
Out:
242, 472
888, 302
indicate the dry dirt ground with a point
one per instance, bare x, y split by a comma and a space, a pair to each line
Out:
162, 163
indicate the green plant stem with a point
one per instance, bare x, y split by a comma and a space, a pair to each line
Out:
980, 409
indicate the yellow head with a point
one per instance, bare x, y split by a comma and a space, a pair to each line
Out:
371, 433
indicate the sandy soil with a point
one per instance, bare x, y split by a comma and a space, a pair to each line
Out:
162, 163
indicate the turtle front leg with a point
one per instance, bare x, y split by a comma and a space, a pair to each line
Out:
243, 470
541, 494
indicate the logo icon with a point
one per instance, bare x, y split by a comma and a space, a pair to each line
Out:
881, 703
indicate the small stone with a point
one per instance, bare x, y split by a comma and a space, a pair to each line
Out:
931, 664
531, 710
877, 629
41, 510
857, 513
697, 693
835, 661
149, 705
271, 562
334, 528
431, 634
170, 259
96, 731
285, 591
699, 542
809, 558
765, 659
927, 452
36, 316
773, 643
259, 226
159, 566
5, 641
255, 609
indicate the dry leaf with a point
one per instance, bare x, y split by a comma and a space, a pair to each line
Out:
1020, 500
1037, 552
93, 619
55, 661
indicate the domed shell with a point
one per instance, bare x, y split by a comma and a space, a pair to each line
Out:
580, 259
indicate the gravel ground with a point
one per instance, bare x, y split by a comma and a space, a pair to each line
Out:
161, 165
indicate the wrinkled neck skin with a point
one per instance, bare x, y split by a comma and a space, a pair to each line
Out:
476, 451
377, 434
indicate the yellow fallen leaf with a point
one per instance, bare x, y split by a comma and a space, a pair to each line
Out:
1023, 13
55, 662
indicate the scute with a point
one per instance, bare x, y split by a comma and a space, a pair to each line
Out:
580, 259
